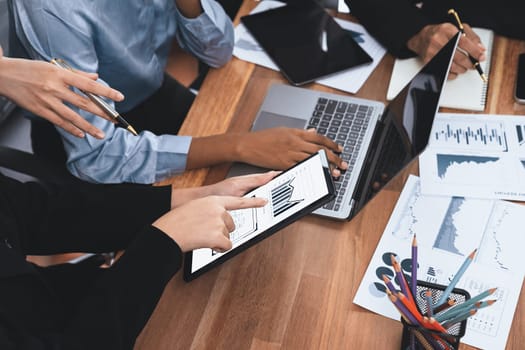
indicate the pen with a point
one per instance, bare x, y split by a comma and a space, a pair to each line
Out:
99, 101
474, 61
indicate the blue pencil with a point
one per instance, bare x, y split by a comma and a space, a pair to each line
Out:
467, 305
459, 318
456, 278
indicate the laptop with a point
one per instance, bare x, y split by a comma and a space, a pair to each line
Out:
378, 140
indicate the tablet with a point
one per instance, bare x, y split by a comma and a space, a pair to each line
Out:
291, 195
304, 41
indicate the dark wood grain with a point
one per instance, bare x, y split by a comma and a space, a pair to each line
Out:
294, 290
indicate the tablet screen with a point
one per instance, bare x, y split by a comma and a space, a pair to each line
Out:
292, 194
304, 41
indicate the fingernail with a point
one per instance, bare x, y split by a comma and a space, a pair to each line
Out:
100, 135
482, 57
344, 165
120, 96
340, 148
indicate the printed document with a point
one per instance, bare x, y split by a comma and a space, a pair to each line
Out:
475, 155
447, 230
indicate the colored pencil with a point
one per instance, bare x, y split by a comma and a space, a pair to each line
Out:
410, 306
459, 318
428, 298
446, 305
401, 278
389, 284
456, 278
414, 267
467, 305
405, 313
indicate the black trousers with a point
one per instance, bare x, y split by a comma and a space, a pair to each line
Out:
161, 113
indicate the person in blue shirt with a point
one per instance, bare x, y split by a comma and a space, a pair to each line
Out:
128, 43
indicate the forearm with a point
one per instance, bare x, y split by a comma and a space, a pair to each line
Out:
212, 150
189, 8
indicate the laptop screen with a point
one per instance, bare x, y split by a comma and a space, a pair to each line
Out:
405, 125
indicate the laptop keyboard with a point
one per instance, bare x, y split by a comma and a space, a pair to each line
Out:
345, 123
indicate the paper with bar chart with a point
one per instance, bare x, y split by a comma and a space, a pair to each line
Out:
475, 155
447, 230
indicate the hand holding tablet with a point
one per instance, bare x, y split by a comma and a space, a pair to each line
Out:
291, 195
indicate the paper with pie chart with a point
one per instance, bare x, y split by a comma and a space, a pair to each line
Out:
447, 229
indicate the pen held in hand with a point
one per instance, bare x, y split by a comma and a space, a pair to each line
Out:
474, 61
99, 101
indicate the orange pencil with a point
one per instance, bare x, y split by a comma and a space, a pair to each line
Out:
411, 307
401, 278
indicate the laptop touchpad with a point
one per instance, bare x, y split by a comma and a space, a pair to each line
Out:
268, 120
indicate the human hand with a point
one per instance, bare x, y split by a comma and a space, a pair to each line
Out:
433, 37
44, 89
280, 148
204, 222
234, 186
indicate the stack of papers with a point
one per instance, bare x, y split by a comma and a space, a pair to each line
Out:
447, 230
246, 48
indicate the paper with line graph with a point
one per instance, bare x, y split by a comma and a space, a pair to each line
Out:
448, 229
475, 155
287, 194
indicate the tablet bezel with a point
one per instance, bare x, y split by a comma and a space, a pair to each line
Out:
189, 275
295, 58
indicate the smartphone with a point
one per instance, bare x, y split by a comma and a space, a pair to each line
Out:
519, 91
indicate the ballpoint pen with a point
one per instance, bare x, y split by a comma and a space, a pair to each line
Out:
474, 61
98, 100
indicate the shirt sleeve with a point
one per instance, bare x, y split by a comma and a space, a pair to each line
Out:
120, 156
80, 216
122, 300
209, 36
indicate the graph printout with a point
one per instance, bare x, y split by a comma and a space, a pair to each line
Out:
475, 155
447, 230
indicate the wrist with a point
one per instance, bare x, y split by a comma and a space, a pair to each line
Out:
238, 146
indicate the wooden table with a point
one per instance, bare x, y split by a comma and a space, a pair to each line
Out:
294, 290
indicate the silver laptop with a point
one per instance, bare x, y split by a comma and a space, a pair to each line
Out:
378, 140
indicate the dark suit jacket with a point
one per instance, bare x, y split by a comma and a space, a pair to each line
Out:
81, 306
393, 22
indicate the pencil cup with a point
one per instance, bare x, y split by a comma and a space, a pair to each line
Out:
416, 337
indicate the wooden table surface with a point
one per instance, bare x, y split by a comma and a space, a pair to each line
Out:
294, 290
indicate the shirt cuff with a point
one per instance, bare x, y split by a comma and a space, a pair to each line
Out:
172, 155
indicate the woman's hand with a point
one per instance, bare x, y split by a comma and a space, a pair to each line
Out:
43, 89
204, 222
235, 186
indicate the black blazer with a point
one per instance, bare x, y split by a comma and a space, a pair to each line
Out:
393, 22
81, 306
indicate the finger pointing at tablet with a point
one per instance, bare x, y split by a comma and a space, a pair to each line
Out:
204, 222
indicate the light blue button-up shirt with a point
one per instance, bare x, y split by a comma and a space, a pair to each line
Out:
127, 43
